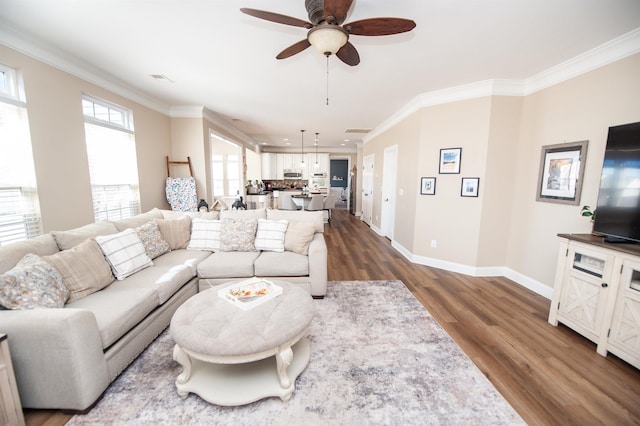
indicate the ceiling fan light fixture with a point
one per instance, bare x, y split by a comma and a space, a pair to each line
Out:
328, 38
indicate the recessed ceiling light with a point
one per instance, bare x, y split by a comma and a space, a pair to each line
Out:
342, 144
264, 143
346, 140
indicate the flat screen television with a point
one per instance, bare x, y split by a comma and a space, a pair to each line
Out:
618, 210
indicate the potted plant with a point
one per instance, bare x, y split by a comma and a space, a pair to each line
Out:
586, 211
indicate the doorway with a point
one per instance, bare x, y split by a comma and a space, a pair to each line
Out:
367, 188
389, 183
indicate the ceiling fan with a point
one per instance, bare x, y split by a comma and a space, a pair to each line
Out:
326, 31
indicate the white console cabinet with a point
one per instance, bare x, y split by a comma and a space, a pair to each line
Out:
597, 293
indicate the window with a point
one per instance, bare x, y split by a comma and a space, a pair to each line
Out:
225, 167
113, 166
19, 209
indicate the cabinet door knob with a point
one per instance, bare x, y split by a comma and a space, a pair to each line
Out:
605, 285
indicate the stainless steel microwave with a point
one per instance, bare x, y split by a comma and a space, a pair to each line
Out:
292, 174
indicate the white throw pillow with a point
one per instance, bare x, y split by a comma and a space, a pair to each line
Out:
125, 253
205, 235
270, 235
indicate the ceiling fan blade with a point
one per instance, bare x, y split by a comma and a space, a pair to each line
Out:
348, 54
380, 26
293, 49
337, 8
276, 17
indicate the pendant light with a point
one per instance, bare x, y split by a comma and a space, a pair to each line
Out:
302, 147
316, 166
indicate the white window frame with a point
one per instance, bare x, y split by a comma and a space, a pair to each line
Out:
231, 186
128, 203
20, 217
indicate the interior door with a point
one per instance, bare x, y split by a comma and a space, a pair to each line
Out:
367, 189
389, 183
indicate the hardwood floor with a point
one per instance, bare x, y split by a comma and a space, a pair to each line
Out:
550, 375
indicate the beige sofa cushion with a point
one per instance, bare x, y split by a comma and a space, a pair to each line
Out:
244, 214
43, 245
176, 231
164, 279
135, 221
83, 268
117, 310
228, 264
287, 264
298, 237
171, 214
314, 217
73, 237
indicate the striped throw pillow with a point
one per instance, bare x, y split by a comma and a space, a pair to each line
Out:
125, 253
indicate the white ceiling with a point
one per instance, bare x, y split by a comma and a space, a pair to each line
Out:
224, 60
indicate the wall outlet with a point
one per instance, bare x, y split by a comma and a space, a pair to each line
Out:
434, 243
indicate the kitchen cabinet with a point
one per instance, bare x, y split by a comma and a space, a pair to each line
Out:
310, 163
269, 166
597, 294
273, 164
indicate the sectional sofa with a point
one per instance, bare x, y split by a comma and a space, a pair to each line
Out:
79, 306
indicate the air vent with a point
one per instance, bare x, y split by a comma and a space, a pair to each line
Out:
161, 77
357, 130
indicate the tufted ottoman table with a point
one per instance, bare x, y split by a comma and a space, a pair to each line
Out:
231, 356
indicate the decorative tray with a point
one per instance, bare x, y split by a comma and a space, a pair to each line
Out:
250, 293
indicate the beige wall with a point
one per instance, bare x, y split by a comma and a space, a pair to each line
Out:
579, 109
188, 141
501, 139
57, 133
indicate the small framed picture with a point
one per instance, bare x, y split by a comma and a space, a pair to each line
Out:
561, 172
428, 186
469, 187
450, 160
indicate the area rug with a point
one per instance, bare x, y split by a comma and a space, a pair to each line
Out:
377, 358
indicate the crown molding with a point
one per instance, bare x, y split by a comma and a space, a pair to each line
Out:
222, 124
186, 111
44, 52
619, 48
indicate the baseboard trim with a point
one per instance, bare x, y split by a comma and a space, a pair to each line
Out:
473, 271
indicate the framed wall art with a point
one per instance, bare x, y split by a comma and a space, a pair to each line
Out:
561, 172
428, 186
469, 187
450, 160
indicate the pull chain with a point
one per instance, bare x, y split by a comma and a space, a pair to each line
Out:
327, 79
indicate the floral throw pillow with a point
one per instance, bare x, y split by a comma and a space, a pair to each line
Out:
152, 240
32, 283
238, 234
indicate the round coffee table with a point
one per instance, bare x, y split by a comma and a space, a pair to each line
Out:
233, 357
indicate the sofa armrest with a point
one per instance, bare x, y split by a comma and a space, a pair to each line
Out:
57, 357
318, 265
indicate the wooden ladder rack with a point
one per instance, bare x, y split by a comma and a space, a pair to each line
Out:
177, 163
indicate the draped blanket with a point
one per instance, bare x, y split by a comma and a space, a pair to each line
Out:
181, 194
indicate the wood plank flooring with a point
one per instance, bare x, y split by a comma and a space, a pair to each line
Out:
550, 375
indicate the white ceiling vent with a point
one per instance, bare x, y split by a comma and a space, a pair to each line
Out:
161, 77
357, 130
